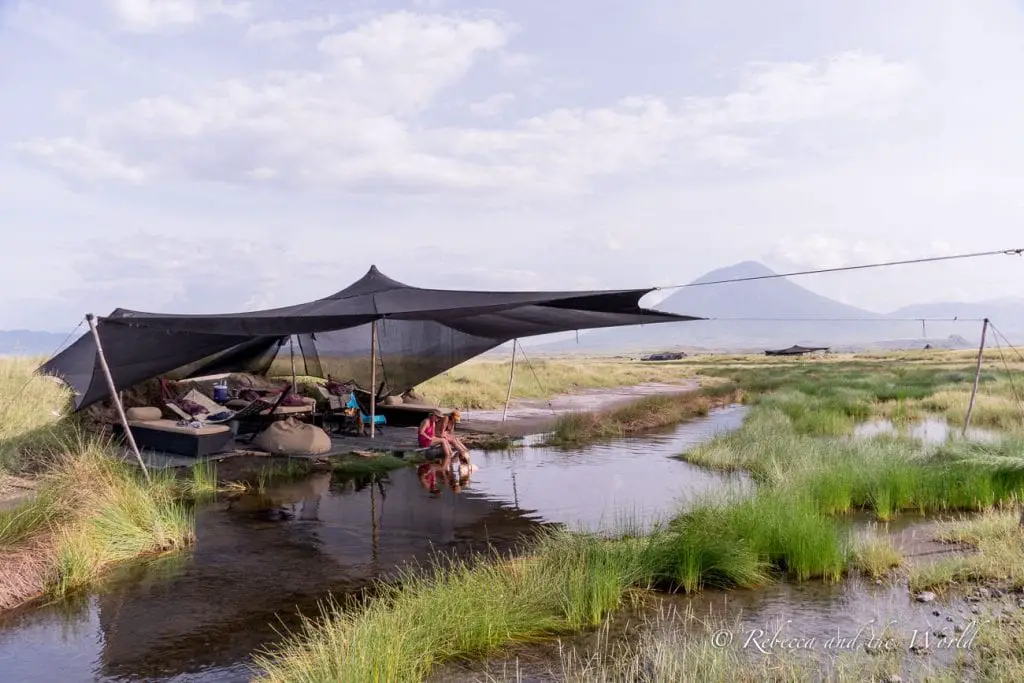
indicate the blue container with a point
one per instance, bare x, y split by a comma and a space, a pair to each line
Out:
220, 393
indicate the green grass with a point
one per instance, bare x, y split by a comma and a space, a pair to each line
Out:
995, 544
457, 610
90, 512
355, 465
874, 555
650, 412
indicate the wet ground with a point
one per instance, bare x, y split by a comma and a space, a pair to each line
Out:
931, 430
813, 619
261, 558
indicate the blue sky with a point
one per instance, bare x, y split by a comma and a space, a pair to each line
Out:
215, 155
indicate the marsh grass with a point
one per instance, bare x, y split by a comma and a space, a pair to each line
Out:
995, 540
32, 411
90, 512
673, 644
635, 417
358, 466
874, 554
457, 609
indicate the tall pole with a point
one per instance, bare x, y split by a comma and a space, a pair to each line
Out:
511, 376
373, 378
291, 349
114, 394
977, 377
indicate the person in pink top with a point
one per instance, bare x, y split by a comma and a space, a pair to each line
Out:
430, 436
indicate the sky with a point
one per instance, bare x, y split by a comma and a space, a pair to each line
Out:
223, 155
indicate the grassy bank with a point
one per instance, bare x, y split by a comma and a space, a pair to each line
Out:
31, 412
638, 416
92, 511
482, 384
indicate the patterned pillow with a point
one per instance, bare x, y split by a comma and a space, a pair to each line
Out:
191, 407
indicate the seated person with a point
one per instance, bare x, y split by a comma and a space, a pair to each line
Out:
448, 433
431, 436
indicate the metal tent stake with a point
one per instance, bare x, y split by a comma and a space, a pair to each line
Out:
977, 377
373, 378
114, 394
511, 376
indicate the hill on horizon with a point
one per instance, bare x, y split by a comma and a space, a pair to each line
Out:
776, 312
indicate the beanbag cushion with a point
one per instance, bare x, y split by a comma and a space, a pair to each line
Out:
143, 414
292, 437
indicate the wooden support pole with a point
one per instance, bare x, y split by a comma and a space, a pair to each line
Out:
977, 377
114, 394
373, 378
291, 350
511, 377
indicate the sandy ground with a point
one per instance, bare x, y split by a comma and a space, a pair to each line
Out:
537, 415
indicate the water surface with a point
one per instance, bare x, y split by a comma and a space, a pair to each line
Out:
260, 559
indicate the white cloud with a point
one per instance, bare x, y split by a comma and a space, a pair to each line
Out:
80, 160
492, 105
152, 15
283, 29
819, 251
356, 119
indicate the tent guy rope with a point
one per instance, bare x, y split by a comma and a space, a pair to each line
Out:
883, 264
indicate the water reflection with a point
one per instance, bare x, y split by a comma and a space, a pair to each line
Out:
931, 430
262, 558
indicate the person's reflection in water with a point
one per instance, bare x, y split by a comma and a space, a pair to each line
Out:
459, 479
429, 473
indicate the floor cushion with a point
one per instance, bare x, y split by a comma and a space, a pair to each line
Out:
292, 437
143, 413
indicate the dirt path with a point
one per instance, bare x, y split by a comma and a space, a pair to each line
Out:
535, 416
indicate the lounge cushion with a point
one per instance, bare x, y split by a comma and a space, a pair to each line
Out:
143, 413
292, 437
172, 426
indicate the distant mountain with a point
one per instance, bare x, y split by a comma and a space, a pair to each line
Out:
29, 342
765, 313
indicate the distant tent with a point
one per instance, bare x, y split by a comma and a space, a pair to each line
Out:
664, 356
420, 333
795, 350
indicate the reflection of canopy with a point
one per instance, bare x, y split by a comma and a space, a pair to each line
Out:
796, 350
422, 332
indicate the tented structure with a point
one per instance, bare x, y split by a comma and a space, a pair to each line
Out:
418, 333
795, 350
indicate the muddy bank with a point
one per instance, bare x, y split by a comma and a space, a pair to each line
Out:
536, 416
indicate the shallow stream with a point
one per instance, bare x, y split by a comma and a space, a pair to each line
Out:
261, 558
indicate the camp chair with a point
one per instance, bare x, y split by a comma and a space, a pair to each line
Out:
360, 400
338, 411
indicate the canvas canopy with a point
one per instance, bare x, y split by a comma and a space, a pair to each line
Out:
795, 350
420, 334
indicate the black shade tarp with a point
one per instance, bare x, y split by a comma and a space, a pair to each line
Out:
421, 333
795, 350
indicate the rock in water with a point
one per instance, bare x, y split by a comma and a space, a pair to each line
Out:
925, 596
